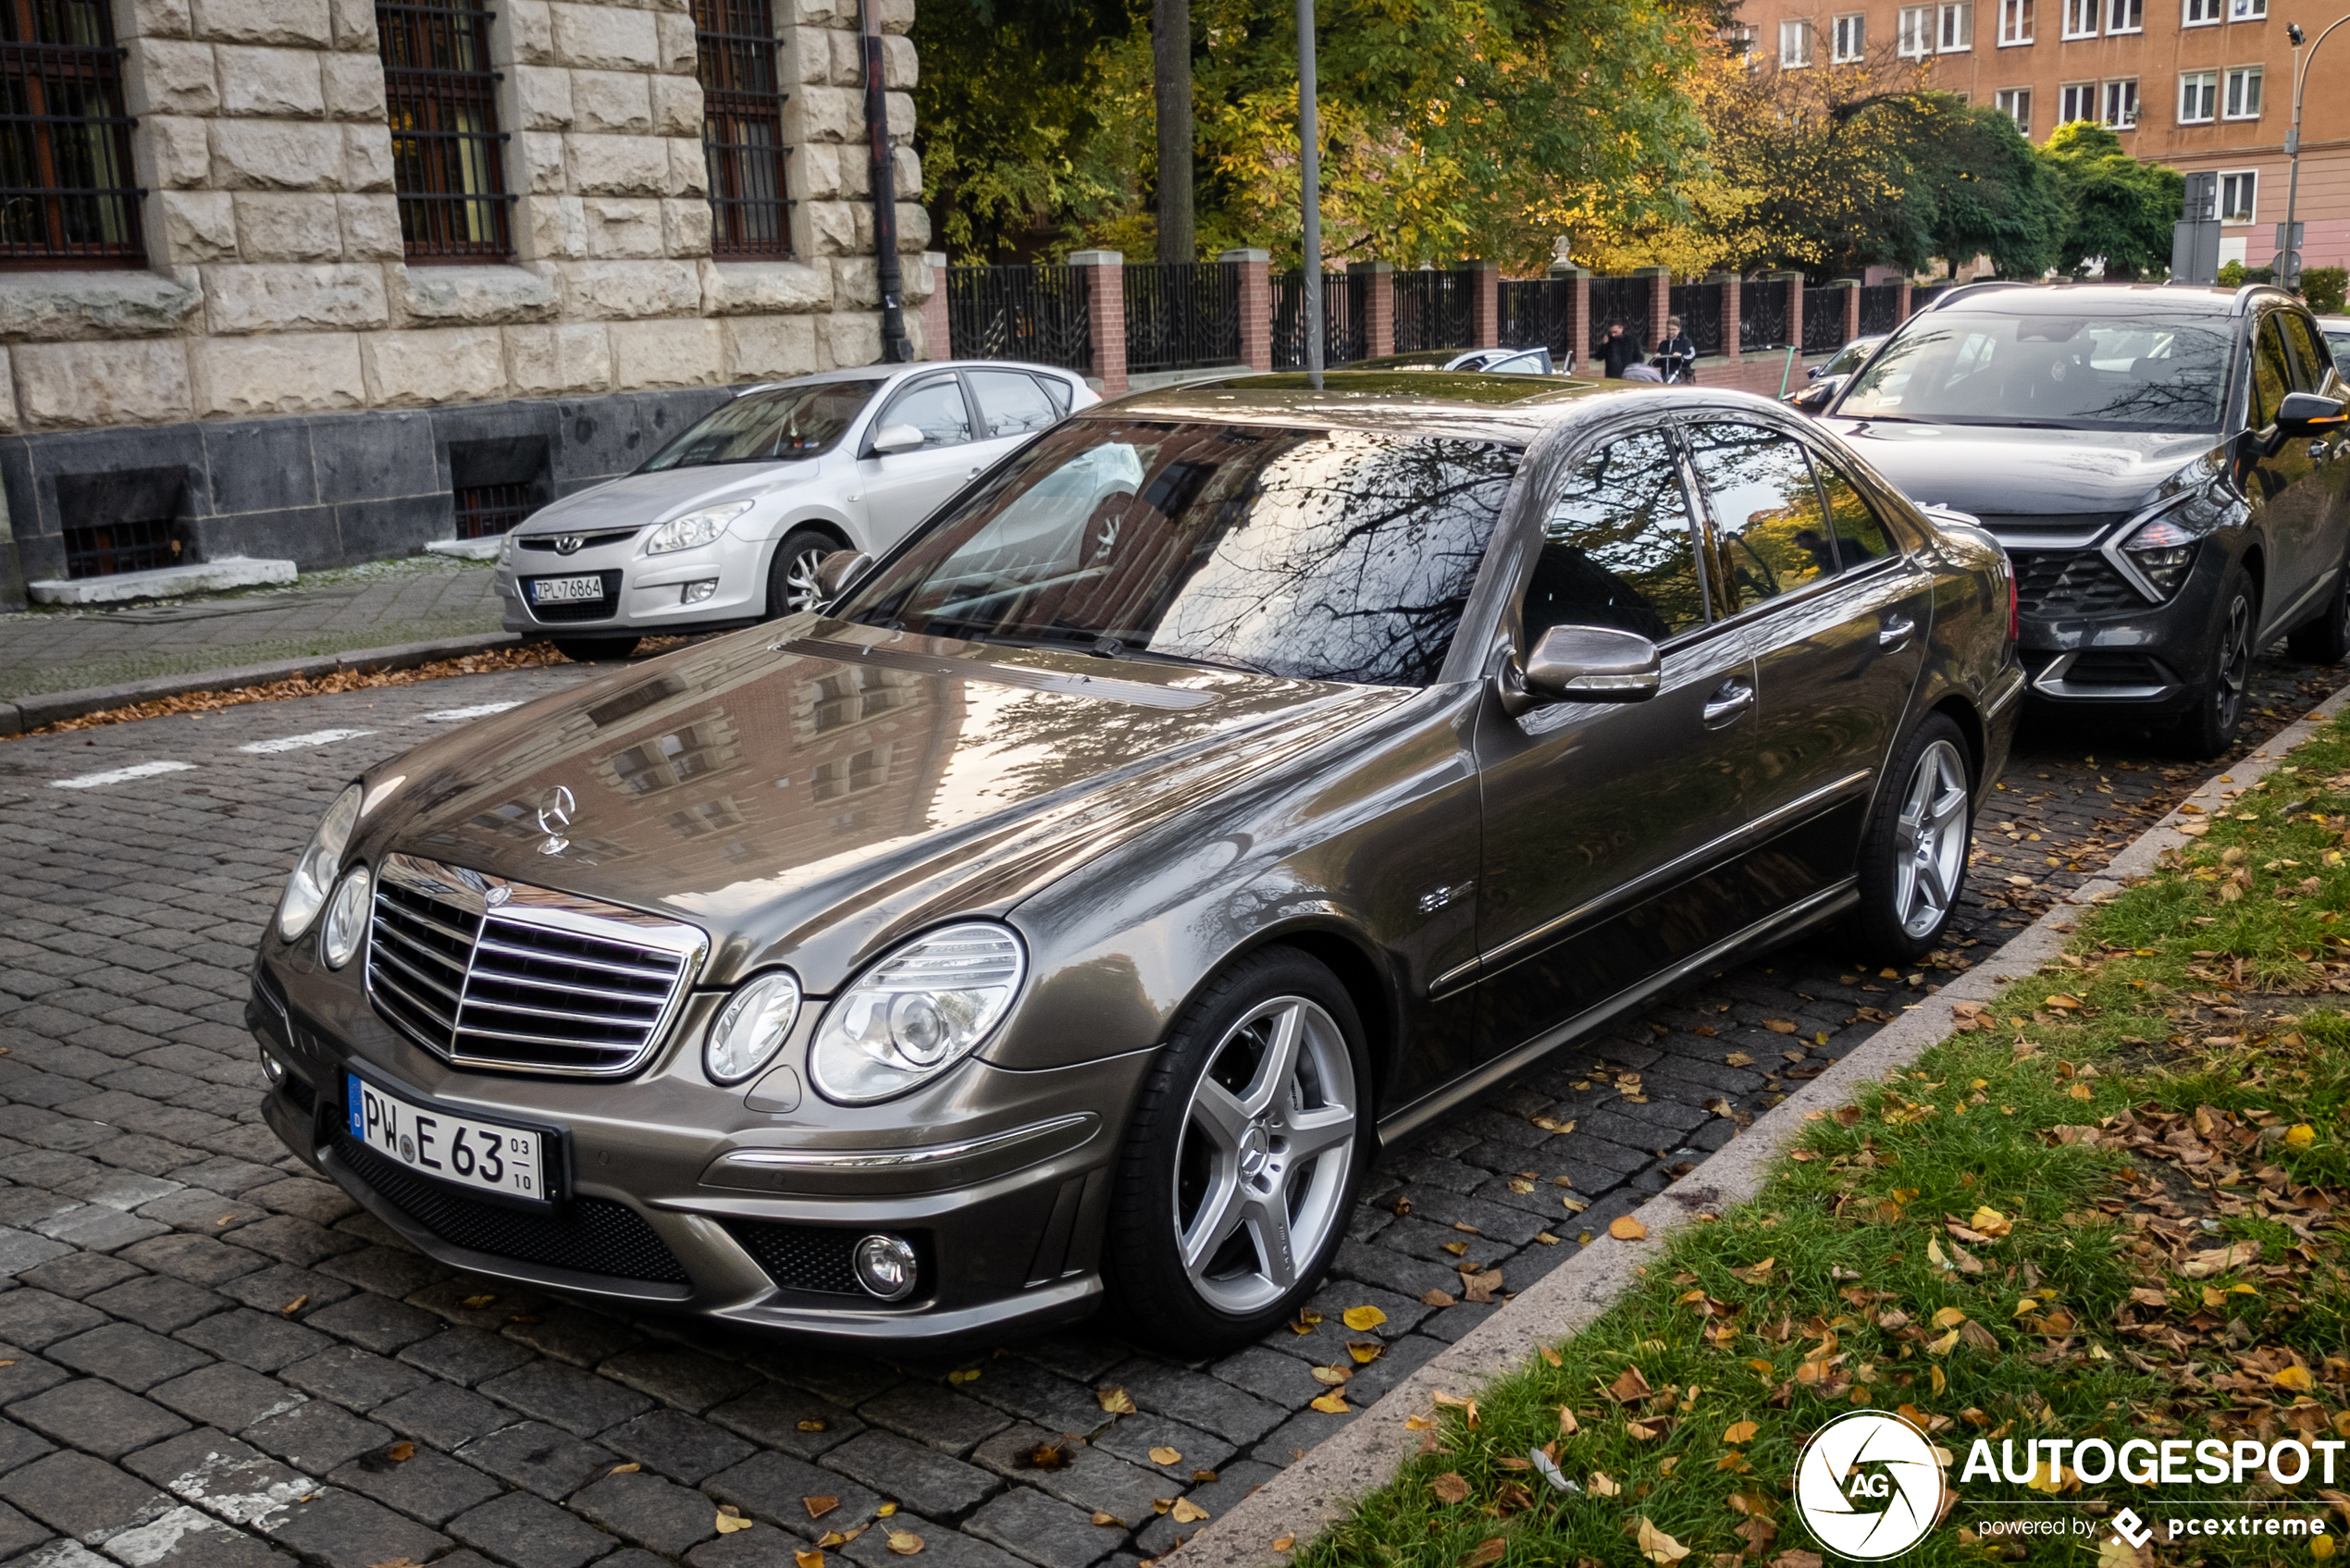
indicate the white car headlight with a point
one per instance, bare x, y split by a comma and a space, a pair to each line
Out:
313, 874
694, 529
910, 1017
346, 918
751, 1026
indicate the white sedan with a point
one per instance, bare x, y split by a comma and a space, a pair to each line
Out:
728, 523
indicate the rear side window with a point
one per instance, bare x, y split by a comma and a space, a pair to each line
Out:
1859, 533
1012, 404
1771, 533
1618, 548
2271, 374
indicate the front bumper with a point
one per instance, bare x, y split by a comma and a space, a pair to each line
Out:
2106, 645
643, 594
677, 1195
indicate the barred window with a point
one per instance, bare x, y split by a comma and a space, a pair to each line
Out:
67, 197
742, 127
448, 155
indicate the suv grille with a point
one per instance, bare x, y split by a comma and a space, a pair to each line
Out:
2050, 583
489, 973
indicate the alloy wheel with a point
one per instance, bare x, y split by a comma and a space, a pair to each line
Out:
1930, 839
2235, 675
801, 590
1267, 1143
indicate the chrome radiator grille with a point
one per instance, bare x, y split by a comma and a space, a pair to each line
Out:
488, 973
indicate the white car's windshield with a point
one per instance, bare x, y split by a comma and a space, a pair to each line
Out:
2150, 372
779, 425
1329, 555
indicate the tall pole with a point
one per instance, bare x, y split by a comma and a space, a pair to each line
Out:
2288, 262
1309, 162
888, 279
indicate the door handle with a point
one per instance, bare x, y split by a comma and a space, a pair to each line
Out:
1730, 700
1894, 633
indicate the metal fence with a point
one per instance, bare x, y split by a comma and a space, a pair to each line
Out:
1619, 298
1031, 313
1880, 309
1180, 316
1763, 316
1700, 307
1822, 320
1538, 313
1434, 310
1344, 334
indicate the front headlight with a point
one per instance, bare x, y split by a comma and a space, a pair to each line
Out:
916, 1013
694, 529
2161, 544
751, 1028
313, 874
346, 918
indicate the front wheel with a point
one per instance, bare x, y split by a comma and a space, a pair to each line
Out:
791, 572
1913, 853
2209, 727
1241, 1163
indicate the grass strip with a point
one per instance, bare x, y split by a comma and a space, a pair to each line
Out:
2111, 1205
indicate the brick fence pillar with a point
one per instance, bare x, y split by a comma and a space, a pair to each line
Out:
1256, 304
1660, 300
1379, 305
1578, 314
1852, 287
1730, 302
1901, 303
1485, 328
1106, 314
936, 331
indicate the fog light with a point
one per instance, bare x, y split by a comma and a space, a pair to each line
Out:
693, 593
885, 1266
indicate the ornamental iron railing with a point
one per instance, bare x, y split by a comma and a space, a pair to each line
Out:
1434, 310
1619, 298
1032, 312
1345, 335
1182, 315
1880, 309
1822, 320
1700, 307
1538, 313
1763, 313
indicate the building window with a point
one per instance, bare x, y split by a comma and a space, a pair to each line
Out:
2200, 13
1795, 44
2015, 22
1955, 32
2243, 101
2076, 100
448, 155
2081, 18
2198, 97
1915, 39
2237, 192
1851, 38
2016, 103
1741, 42
67, 190
742, 132
2121, 104
2247, 10
2125, 16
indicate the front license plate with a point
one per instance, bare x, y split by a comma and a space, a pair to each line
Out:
472, 1154
565, 590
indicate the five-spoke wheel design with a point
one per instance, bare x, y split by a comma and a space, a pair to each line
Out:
1267, 1143
1930, 840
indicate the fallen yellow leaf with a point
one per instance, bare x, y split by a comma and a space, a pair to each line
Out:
1656, 1546
1991, 1222
475, 1304
1943, 1345
1332, 1376
1417, 1424
1167, 1456
1113, 1401
2293, 1378
1186, 1511
1108, 1519
730, 1519
1485, 1552
808, 1559
1948, 1317
629, 1469
1331, 1403
1282, 1543
1365, 1351
905, 1543
2300, 1135
1741, 1432
1362, 1318
819, 1506
1626, 1228
1603, 1484
884, 1511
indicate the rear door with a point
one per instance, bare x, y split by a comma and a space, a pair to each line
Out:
901, 489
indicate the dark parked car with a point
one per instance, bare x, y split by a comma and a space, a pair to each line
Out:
2165, 464
1827, 377
1237, 777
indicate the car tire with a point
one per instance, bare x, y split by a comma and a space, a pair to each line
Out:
1913, 852
791, 571
2324, 638
1239, 1169
595, 650
2209, 727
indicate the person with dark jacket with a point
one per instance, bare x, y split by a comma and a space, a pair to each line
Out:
1676, 353
1620, 349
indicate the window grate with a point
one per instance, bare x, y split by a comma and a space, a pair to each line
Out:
447, 152
108, 550
67, 191
742, 133
484, 512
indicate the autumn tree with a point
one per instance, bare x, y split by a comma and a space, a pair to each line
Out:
2120, 210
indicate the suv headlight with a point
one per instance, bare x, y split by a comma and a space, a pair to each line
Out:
313, 874
694, 529
2161, 544
916, 1013
751, 1026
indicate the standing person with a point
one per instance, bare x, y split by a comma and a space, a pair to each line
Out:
1619, 350
1676, 352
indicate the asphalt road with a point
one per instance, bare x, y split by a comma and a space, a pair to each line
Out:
210, 1359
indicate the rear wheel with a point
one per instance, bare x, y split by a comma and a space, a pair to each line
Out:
1913, 852
791, 573
2325, 638
595, 650
2209, 727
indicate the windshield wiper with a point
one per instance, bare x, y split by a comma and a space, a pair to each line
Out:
1108, 646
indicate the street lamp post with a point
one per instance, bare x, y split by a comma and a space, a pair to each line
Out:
2289, 252
1309, 162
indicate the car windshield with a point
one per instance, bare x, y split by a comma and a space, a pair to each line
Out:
779, 425
1848, 358
1329, 555
2144, 372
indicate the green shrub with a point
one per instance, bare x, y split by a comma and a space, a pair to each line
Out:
2323, 287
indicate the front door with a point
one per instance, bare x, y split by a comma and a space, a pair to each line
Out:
1603, 820
2285, 487
903, 488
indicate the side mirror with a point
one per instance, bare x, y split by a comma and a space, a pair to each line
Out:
895, 439
2310, 413
837, 571
1589, 664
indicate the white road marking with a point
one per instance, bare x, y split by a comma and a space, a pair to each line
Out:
459, 715
122, 775
295, 743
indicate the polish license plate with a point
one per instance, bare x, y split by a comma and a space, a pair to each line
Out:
479, 1155
565, 590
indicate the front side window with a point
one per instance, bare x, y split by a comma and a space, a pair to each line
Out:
2156, 371
742, 129
1771, 534
1618, 548
1852, 37
2243, 101
2271, 374
1795, 44
2076, 100
2121, 104
448, 157
2198, 97
2016, 103
781, 426
937, 408
68, 195
2015, 22
1328, 555
2236, 193
1915, 37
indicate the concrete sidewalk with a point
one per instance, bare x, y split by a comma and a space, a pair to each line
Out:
388, 602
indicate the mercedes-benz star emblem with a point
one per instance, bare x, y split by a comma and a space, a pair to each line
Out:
567, 544
497, 895
555, 809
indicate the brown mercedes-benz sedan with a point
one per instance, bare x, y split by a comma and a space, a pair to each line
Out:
1235, 778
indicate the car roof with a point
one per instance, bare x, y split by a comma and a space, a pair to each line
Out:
1469, 404
882, 372
2074, 299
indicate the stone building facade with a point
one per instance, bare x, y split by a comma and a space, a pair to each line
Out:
345, 312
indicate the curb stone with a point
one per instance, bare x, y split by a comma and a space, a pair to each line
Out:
1318, 1490
48, 707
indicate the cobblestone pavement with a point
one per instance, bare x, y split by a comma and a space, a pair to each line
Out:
373, 606
210, 1359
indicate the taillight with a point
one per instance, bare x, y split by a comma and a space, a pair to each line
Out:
2015, 608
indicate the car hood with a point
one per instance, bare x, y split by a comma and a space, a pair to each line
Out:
811, 790
638, 499
1996, 472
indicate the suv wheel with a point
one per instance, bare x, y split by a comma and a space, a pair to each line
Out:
1913, 853
791, 572
1240, 1165
2209, 727
2324, 638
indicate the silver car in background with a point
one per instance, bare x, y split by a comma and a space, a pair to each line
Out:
725, 526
